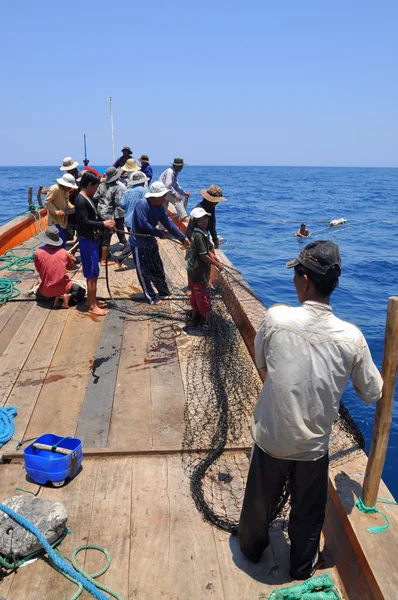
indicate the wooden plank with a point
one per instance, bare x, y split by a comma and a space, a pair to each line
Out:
6, 312
18, 350
95, 417
59, 404
110, 524
40, 581
30, 381
168, 397
13, 324
131, 422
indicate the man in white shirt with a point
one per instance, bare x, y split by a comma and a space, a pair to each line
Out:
309, 355
169, 178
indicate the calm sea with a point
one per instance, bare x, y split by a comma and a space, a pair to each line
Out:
265, 207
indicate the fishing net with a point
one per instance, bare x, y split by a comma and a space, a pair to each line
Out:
221, 384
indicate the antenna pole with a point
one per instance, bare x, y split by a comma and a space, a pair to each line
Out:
112, 134
85, 148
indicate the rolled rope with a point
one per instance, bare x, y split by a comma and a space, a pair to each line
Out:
7, 425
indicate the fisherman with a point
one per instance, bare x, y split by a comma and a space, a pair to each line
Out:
70, 166
128, 168
199, 264
146, 167
126, 154
51, 262
302, 231
58, 204
169, 178
147, 213
309, 355
107, 198
89, 223
136, 191
211, 197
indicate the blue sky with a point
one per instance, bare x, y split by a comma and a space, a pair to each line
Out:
282, 82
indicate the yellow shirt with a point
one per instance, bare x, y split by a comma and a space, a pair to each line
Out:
58, 199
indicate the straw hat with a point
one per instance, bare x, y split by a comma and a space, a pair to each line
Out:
112, 174
213, 194
68, 181
130, 165
50, 236
68, 164
157, 190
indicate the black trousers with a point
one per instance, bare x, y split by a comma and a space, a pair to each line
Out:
120, 226
150, 273
77, 295
309, 490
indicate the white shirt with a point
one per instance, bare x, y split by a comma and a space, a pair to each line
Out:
309, 355
169, 178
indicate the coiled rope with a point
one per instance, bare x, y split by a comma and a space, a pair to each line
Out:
317, 588
8, 289
59, 562
7, 425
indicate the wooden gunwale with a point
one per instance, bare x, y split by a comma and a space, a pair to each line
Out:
20, 229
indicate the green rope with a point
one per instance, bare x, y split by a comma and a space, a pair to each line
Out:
369, 510
8, 289
317, 588
12, 566
22, 442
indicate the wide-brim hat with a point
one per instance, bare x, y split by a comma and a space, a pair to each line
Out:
127, 148
213, 194
130, 165
178, 162
112, 174
137, 178
68, 164
68, 181
144, 158
50, 236
157, 190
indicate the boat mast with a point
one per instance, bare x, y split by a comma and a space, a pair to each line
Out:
112, 134
85, 147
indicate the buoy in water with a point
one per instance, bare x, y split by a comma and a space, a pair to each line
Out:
336, 222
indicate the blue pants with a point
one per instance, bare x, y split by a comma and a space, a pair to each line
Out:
62, 235
89, 253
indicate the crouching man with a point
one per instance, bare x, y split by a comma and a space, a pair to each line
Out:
52, 263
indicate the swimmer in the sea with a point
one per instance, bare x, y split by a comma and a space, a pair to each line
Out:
302, 231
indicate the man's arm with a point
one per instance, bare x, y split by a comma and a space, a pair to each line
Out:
213, 232
142, 223
365, 376
259, 346
49, 202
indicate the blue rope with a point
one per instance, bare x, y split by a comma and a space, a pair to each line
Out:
55, 559
7, 425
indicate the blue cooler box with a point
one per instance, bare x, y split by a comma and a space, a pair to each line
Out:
45, 466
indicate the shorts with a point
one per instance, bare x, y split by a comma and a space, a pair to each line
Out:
89, 254
62, 235
200, 297
76, 291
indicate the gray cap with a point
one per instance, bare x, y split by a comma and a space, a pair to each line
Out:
318, 257
112, 174
50, 236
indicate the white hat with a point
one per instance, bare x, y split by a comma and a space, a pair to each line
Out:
157, 190
68, 164
198, 213
137, 178
67, 180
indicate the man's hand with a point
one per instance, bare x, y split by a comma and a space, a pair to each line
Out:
59, 213
178, 197
216, 245
161, 234
109, 224
186, 243
187, 194
220, 266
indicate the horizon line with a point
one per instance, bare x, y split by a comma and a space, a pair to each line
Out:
231, 166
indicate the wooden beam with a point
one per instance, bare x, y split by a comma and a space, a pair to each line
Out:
39, 200
382, 424
30, 196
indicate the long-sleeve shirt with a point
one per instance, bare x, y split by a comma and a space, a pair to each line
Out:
57, 198
209, 207
108, 197
169, 178
128, 203
147, 169
120, 162
145, 218
88, 221
309, 355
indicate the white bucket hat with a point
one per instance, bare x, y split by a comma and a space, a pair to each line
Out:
157, 190
198, 213
67, 180
68, 164
137, 178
